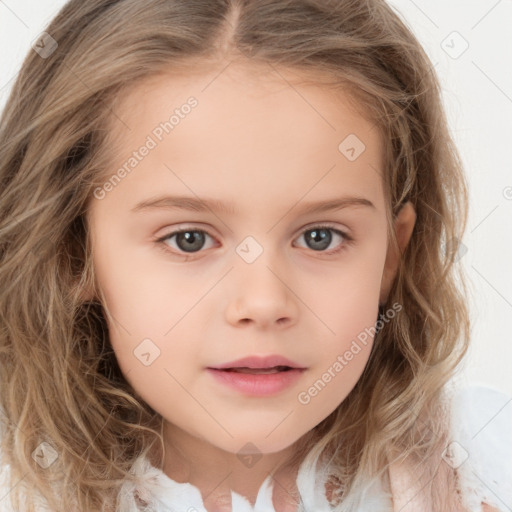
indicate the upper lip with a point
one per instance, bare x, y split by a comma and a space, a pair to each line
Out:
258, 362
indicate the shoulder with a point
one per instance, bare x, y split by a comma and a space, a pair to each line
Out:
480, 447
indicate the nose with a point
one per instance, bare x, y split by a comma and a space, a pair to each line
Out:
261, 295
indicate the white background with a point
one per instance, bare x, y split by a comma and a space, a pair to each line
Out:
477, 91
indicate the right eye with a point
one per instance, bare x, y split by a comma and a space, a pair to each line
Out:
187, 240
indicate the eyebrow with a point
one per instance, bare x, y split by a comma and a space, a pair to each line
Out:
209, 204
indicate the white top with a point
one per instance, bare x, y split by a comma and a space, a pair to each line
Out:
481, 452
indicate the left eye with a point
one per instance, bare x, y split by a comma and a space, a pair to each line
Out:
318, 238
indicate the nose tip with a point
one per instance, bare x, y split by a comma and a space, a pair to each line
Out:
262, 298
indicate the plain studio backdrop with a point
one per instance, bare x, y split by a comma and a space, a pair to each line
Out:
470, 45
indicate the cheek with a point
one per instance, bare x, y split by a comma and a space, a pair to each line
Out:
348, 308
152, 311
143, 298
348, 299
345, 348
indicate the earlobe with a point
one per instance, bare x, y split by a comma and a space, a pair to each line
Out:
404, 225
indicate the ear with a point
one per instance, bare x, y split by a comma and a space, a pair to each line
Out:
404, 225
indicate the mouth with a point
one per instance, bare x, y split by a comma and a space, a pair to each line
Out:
263, 371
272, 363
257, 381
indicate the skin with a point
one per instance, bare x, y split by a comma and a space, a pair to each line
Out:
267, 147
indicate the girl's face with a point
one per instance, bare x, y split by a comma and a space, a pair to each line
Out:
255, 158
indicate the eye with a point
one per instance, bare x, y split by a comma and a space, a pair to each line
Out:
318, 238
187, 240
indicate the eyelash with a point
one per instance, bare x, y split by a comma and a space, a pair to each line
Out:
348, 240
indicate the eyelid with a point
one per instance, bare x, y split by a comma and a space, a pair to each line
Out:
326, 224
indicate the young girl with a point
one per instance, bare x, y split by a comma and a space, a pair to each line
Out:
228, 239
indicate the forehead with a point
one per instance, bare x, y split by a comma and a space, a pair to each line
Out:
253, 126
230, 85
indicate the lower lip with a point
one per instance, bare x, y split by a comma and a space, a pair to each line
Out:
258, 384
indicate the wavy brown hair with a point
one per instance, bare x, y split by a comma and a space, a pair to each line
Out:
59, 378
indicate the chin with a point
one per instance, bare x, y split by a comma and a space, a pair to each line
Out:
256, 444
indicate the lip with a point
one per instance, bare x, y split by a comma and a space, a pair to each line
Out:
259, 362
257, 384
